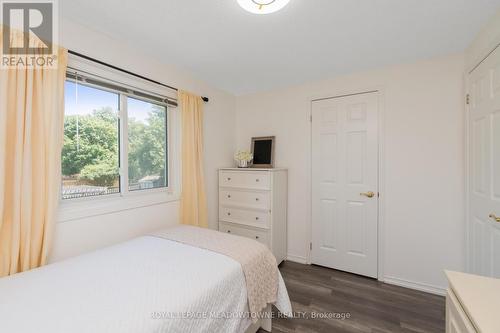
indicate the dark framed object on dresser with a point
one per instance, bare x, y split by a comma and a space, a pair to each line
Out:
263, 151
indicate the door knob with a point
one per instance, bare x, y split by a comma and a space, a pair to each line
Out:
494, 217
368, 194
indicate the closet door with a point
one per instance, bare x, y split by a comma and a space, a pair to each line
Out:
345, 183
484, 167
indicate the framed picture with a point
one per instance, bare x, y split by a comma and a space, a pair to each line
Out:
263, 152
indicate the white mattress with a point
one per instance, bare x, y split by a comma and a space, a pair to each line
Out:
145, 285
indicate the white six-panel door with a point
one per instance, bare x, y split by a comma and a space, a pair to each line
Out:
484, 167
345, 183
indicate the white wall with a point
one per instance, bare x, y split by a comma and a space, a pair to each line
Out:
86, 234
423, 194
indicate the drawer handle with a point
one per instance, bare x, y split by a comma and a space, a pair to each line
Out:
228, 214
229, 179
256, 237
229, 231
257, 218
257, 180
229, 196
256, 199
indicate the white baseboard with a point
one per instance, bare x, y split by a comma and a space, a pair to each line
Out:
428, 288
297, 259
415, 285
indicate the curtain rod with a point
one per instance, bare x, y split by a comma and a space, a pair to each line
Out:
205, 99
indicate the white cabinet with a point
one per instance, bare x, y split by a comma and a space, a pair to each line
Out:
253, 203
456, 318
472, 304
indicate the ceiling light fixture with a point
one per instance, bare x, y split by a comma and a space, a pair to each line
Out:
263, 6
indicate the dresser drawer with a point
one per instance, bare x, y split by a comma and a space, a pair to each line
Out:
243, 216
256, 200
247, 180
258, 235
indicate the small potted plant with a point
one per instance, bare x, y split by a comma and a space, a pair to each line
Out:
243, 158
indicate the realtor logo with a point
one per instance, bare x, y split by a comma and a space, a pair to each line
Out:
29, 33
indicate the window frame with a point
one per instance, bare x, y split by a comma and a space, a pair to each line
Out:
124, 145
77, 208
95, 197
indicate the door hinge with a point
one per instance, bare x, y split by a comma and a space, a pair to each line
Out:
467, 99
310, 246
311, 118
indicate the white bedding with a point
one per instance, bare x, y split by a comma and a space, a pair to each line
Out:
145, 285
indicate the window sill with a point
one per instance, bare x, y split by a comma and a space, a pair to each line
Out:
79, 209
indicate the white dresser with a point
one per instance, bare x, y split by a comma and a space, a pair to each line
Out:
472, 304
253, 203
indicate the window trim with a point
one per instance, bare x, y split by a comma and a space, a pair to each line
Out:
84, 208
124, 188
116, 87
78, 208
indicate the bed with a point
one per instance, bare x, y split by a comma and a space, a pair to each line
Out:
148, 284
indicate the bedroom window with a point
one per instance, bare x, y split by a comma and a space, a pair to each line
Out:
90, 154
147, 142
115, 140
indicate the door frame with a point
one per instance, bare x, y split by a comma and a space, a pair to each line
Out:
380, 91
467, 108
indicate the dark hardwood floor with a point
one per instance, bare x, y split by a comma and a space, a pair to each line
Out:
373, 307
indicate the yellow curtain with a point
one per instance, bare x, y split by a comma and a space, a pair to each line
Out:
193, 209
31, 136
